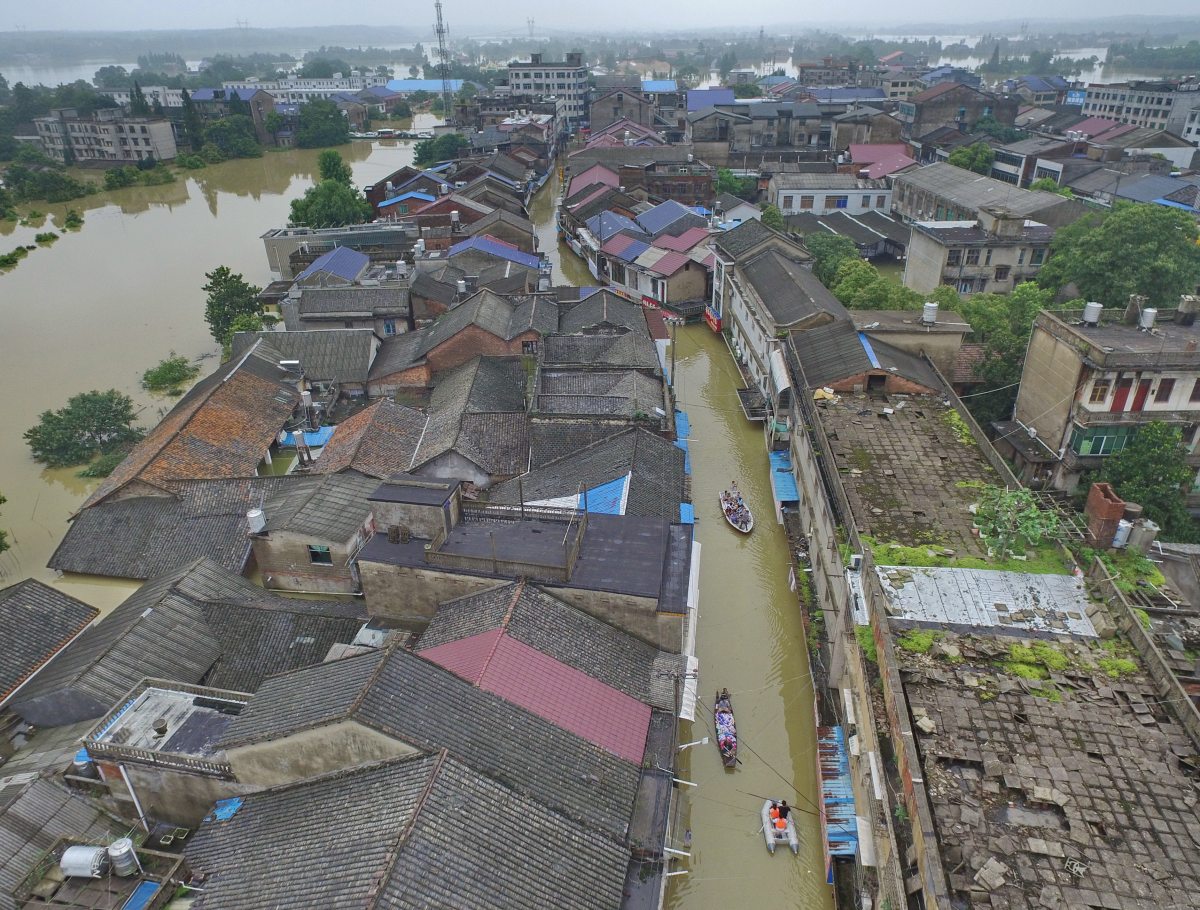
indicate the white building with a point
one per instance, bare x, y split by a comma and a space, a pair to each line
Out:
1158, 105
539, 79
107, 135
167, 97
295, 90
823, 194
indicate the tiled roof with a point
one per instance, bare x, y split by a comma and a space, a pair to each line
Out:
600, 308
931, 94
502, 216
655, 467
328, 507
378, 441
495, 314
683, 242
403, 695
829, 353
633, 350
325, 355
355, 301
444, 836
399, 352
34, 813
554, 439
36, 621
221, 428
144, 536
747, 235
162, 630
623, 393
341, 261
790, 292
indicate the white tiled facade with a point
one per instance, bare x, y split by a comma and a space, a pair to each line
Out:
566, 80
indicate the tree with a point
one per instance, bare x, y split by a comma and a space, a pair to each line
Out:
330, 204
170, 375
273, 122
192, 123
995, 62
772, 217
442, 148
1152, 470
726, 62
1050, 185
1012, 521
229, 296
233, 137
829, 251
321, 124
247, 322
332, 167
977, 158
1134, 249
747, 90
91, 423
320, 68
112, 77
138, 105
742, 187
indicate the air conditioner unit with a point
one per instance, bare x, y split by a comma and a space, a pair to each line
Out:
856, 560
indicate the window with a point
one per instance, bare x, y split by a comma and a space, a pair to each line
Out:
529, 348
1100, 440
788, 201
1165, 388
1100, 389
880, 202
1002, 273
806, 202
973, 257
389, 327
320, 556
987, 260
954, 258
1195, 396
1021, 256
1037, 256
866, 202
837, 202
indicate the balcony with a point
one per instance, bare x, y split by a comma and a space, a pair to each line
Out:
1088, 418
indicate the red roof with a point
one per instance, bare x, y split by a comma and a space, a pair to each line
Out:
872, 152
670, 263
1119, 130
597, 173
938, 90
683, 242
657, 324
562, 695
617, 244
1094, 126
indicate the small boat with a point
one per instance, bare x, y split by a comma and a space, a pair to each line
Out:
735, 510
726, 728
776, 836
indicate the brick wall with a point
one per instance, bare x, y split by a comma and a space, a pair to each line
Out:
471, 342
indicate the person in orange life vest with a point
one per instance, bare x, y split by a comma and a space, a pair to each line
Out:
773, 812
780, 824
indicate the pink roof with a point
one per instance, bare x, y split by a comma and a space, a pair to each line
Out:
1093, 126
597, 173
594, 194
1119, 130
562, 695
869, 154
671, 263
656, 323
617, 244
683, 242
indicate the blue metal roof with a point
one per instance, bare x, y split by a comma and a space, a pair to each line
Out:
782, 479
837, 796
312, 439
869, 351
683, 429
687, 513
605, 224
700, 98
210, 94
225, 809
662, 216
424, 197
341, 261
660, 85
423, 85
486, 244
631, 252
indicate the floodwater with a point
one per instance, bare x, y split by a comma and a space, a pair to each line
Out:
749, 640
101, 305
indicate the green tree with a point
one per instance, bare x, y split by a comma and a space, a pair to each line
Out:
321, 124
742, 187
229, 296
247, 322
441, 148
1134, 249
726, 62
977, 158
273, 122
1050, 185
138, 105
330, 203
321, 68
332, 167
192, 124
829, 251
1012, 521
1152, 471
118, 177
91, 423
233, 137
170, 375
772, 217
747, 90
111, 77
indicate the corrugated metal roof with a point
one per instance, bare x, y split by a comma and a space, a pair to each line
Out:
423, 197
837, 795
485, 243
341, 261
423, 85
659, 85
671, 263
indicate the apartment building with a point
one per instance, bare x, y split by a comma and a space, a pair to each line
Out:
821, 194
994, 253
566, 79
295, 90
106, 135
1164, 105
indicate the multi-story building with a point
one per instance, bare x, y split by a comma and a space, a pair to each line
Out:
943, 192
567, 79
994, 253
821, 194
107, 135
295, 90
952, 104
1164, 105
167, 97
1089, 384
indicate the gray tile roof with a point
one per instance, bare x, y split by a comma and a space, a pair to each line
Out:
161, 630
600, 393
325, 355
329, 507
358, 301
550, 440
600, 308
144, 536
655, 466
428, 707
396, 353
35, 622
790, 292
493, 313
746, 236
500, 215
542, 621
378, 441
34, 813
406, 851
632, 350
836, 351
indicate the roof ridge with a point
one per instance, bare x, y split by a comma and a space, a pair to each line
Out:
385, 657
516, 595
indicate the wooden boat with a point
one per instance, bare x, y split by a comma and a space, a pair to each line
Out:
726, 729
735, 510
776, 836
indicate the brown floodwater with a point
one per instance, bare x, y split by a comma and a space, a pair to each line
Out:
102, 304
749, 640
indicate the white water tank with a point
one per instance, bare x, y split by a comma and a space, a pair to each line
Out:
419, 247
454, 217
543, 283
124, 860
1142, 535
256, 521
306, 398
462, 287
1121, 538
1091, 313
84, 862
929, 313
1146, 320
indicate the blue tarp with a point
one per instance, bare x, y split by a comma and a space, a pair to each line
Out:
313, 439
225, 809
682, 431
687, 513
782, 479
607, 498
142, 895
870, 351
837, 795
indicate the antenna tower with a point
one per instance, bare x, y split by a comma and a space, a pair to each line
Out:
444, 67
529, 22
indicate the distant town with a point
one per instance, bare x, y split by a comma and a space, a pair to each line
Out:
694, 470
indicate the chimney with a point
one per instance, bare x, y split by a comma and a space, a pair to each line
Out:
1188, 306
1133, 310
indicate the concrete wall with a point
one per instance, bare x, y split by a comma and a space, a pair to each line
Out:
423, 521
639, 616
283, 558
940, 347
473, 341
412, 594
925, 263
453, 466
893, 384
416, 377
172, 796
310, 753
1053, 368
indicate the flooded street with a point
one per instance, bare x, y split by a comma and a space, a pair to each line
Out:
750, 640
101, 305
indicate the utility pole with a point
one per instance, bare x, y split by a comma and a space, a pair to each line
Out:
444, 67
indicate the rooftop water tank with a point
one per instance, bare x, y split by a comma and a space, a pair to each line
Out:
1091, 313
462, 286
256, 521
929, 313
1146, 320
84, 862
124, 860
1121, 538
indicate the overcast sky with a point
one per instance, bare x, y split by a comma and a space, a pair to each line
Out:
489, 16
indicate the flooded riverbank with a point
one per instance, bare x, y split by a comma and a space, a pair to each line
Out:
749, 640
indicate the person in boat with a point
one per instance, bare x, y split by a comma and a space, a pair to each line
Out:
784, 810
773, 812
780, 825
